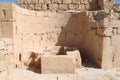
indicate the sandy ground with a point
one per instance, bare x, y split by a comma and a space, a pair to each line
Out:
80, 74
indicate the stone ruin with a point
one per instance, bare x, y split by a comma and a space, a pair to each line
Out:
53, 36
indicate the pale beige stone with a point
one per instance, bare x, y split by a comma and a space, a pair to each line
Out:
76, 1
47, 1
63, 7
44, 6
67, 1
57, 64
56, 1
77, 57
58, 50
7, 29
34, 31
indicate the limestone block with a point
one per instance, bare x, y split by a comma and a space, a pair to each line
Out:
63, 7
31, 6
57, 50
38, 7
57, 64
77, 57
41, 1
53, 7
72, 6
67, 1
7, 30
34, 1
56, 1
44, 7
76, 1
81, 7
47, 1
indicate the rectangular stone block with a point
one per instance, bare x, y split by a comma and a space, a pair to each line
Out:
38, 7
47, 1
67, 1
41, 1
76, 1
56, 1
63, 7
34, 1
81, 7
57, 64
72, 6
44, 7
53, 7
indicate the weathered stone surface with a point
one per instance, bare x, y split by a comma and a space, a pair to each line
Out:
77, 57
67, 1
95, 33
63, 4
57, 64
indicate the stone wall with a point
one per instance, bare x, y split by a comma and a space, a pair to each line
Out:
6, 28
95, 33
66, 5
6, 37
59, 5
38, 31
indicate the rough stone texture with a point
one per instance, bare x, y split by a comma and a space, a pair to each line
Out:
65, 29
95, 33
59, 5
25, 35
57, 64
76, 56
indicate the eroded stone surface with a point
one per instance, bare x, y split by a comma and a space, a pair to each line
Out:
27, 35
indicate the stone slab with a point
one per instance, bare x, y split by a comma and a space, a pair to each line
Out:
57, 64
